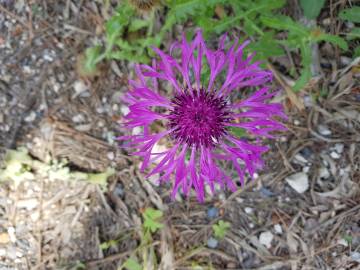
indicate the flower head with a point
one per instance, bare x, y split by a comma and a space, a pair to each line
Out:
198, 117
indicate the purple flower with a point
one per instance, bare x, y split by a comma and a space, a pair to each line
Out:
198, 118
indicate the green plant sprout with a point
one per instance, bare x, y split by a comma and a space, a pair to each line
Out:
151, 224
220, 229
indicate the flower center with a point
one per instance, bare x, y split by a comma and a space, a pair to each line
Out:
198, 118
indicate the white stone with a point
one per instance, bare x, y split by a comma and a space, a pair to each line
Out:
79, 87
248, 210
306, 169
28, 204
298, 181
299, 158
35, 216
278, 229
30, 117
339, 147
266, 238
11, 232
124, 110
110, 155
324, 173
355, 256
334, 155
343, 242
324, 130
296, 122
78, 118
48, 58
136, 131
308, 102
2, 252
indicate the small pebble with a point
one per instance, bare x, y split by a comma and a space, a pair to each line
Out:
48, 58
298, 181
212, 212
136, 131
324, 130
110, 155
300, 159
296, 122
119, 190
266, 238
308, 102
345, 61
30, 117
212, 242
248, 210
306, 169
278, 229
266, 192
324, 173
343, 242
306, 152
355, 256
79, 87
334, 155
124, 110
11, 232
115, 107
339, 147
78, 118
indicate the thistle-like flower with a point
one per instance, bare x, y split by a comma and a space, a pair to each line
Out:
199, 116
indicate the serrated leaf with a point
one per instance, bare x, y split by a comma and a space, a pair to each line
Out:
101, 178
339, 41
357, 51
351, 14
132, 264
92, 58
312, 8
220, 229
151, 219
108, 244
282, 22
137, 24
353, 34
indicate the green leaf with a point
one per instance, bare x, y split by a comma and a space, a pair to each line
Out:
101, 178
339, 41
357, 51
281, 22
132, 264
92, 58
353, 34
312, 8
351, 14
238, 132
108, 244
305, 76
137, 24
220, 229
151, 219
